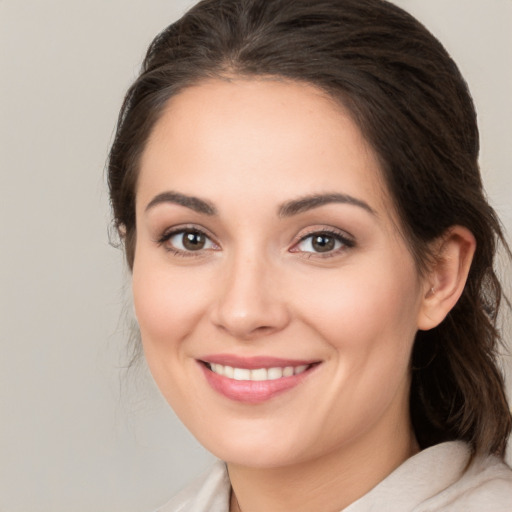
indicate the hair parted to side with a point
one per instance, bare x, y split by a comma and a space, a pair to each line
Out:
414, 108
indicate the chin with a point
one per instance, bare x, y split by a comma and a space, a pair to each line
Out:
257, 458
263, 449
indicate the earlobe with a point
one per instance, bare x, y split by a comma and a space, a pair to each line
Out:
445, 282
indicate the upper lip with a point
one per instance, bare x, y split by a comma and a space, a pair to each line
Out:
254, 362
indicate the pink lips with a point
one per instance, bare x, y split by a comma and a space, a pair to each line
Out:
249, 391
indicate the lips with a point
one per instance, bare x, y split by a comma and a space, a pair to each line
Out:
254, 380
257, 374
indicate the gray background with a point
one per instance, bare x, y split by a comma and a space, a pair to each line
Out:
77, 432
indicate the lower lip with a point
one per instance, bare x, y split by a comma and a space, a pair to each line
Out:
252, 392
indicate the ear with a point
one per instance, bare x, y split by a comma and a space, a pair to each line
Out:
447, 277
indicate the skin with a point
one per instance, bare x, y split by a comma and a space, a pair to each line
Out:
259, 288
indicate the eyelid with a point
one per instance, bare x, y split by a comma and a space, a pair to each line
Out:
178, 228
347, 240
168, 233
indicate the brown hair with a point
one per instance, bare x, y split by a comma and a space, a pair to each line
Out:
414, 108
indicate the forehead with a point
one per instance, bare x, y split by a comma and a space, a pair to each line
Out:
238, 134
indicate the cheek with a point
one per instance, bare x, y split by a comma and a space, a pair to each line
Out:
167, 304
369, 320
366, 309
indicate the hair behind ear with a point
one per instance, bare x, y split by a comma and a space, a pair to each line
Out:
457, 390
447, 275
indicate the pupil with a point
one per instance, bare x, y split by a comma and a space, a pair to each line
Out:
323, 243
193, 241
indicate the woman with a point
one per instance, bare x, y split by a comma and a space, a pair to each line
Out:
297, 187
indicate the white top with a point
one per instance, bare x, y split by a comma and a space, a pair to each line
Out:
433, 480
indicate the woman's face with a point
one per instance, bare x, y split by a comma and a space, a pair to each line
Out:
276, 298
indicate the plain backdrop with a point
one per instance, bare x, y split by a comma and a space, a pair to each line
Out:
77, 431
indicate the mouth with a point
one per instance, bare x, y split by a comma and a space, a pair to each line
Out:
257, 374
254, 380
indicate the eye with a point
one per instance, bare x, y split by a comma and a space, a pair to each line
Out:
323, 242
187, 240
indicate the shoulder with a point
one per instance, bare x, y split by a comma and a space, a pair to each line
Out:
209, 493
485, 485
438, 479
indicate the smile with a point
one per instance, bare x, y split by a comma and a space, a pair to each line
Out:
254, 380
258, 374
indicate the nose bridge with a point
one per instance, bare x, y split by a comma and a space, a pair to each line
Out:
249, 302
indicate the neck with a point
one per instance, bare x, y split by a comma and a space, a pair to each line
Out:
329, 483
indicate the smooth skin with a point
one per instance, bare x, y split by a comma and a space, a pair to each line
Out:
225, 162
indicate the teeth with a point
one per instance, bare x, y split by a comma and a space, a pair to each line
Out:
258, 374
275, 373
288, 371
241, 374
300, 369
218, 368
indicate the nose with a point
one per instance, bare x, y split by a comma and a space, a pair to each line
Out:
250, 302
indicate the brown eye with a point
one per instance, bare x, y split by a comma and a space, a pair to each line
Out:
323, 243
187, 240
193, 240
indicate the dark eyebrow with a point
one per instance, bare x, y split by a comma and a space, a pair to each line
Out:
194, 203
316, 200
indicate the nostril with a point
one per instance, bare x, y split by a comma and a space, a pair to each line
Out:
264, 328
249, 306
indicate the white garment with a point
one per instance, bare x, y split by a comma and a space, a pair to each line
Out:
433, 480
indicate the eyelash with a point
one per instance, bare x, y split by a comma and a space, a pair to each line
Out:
167, 235
345, 241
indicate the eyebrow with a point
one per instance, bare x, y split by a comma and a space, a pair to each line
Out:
287, 209
316, 200
194, 203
